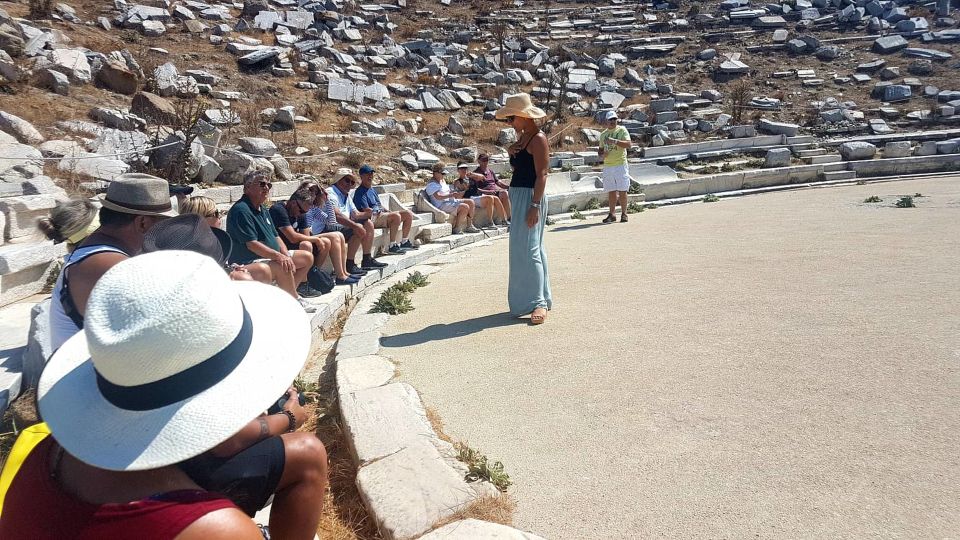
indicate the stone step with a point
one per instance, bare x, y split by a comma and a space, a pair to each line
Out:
803, 146
834, 167
839, 175
457, 240
435, 231
811, 152
14, 329
801, 139
824, 158
25, 268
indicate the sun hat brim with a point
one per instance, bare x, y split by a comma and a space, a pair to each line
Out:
527, 112
102, 435
106, 203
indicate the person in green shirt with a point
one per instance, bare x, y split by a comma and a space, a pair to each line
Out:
614, 142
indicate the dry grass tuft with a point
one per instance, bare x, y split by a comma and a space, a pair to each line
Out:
344, 515
492, 508
437, 424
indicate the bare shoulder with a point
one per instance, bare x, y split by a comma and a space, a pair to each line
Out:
224, 524
97, 264
539, 141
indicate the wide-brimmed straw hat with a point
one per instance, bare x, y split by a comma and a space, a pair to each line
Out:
189, 232
140, 194
344, 172
174, 358
519, 105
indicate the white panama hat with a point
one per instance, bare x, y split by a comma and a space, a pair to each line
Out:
174, 358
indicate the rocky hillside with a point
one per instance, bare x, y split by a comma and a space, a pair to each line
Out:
204, 92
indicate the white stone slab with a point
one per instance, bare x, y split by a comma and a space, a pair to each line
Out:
411, 490
381, 421
364, 372
474, 529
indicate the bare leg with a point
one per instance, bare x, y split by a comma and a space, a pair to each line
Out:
498, 209
322, 249
303, 260
393, 223
337, 247
406, 218
260, 272
367, 238
298, 502
284, 279
623, 202
488, 205
505, 200
354, 244
612, 201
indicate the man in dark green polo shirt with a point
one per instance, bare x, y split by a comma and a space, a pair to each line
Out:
255, 238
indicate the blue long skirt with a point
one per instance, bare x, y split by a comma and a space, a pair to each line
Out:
529, 283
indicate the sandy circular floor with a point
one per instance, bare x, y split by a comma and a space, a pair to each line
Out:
783, 365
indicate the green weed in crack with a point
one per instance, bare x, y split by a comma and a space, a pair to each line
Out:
480, 468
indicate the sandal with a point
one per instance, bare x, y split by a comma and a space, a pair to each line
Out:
623, 218
609, 219
538, 316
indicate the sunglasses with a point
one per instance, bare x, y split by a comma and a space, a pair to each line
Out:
267, 185
217, 213
509, 119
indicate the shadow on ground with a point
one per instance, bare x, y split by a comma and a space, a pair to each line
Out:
577, 227
451, 330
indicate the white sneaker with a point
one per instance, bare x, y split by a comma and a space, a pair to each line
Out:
471, 229
307, 306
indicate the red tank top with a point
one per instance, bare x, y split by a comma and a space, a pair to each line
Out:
36, 508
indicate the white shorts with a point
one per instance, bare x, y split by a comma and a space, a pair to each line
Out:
616, 178
449, 206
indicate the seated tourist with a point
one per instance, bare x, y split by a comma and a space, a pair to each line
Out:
133, 203
491, 185
359, 222
365, 198
467, 182
451, 202
70, 221
219, 353
321, 220
255, 239
207, 209
289, 218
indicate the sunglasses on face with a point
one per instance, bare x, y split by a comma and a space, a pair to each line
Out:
264, 184
509, 119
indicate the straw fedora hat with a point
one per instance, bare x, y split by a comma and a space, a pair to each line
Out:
174, 358
140, 194
519, 105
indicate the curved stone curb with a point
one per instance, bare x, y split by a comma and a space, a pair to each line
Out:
408, 477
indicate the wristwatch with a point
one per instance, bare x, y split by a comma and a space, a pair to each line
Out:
534, 205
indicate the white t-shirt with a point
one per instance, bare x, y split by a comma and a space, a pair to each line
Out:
343, 203
441, 187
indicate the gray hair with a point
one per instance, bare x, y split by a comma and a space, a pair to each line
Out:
255, 176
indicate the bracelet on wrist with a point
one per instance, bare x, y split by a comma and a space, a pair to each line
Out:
291, 419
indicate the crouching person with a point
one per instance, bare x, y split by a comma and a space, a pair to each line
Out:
174, 361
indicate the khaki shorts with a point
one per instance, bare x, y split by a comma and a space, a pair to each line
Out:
381, 221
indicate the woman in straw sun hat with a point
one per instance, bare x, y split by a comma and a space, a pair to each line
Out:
529, 283
174, 359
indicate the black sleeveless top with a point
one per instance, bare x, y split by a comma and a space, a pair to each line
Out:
524, 171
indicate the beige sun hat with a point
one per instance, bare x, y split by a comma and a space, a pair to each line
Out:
344, 172
519, 105
140, 194
174, 358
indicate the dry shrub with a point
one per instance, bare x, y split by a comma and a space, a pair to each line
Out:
344, 514
352, 158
